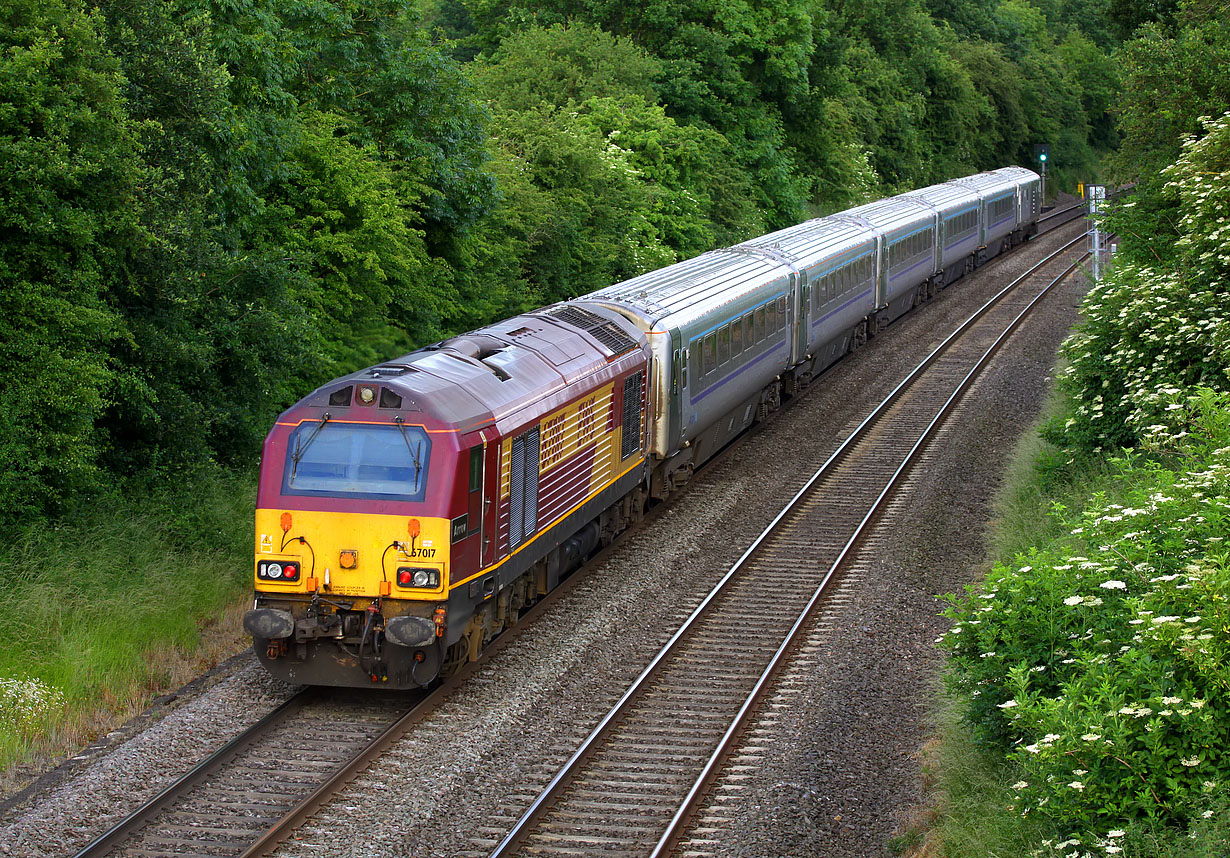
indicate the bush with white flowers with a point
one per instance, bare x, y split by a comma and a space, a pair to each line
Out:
1101, 664
1151, 335
27, 705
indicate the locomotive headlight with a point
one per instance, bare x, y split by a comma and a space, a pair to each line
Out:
273, 570
418, 578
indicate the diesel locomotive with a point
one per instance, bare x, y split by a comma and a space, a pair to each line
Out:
409, 512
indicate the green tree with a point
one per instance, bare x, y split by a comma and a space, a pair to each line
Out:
69, 173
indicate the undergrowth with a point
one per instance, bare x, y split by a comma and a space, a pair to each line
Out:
110, 609
1092, 667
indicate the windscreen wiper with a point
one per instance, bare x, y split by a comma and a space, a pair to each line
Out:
414, 451
301, 447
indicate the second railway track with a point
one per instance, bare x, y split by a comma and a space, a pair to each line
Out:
629, 788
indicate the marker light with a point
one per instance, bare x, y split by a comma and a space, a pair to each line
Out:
414, 528
272, 570
348, 559
367, 395
418, 578
286, 522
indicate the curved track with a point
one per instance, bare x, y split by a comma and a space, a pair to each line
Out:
630, 787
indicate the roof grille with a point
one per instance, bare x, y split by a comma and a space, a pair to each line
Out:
613, 337
576, 316
603, 330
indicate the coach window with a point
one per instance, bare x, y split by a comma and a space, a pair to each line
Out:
781, 311
749, 330
736, 338
760, 334
695, 359
710, 361
723, 344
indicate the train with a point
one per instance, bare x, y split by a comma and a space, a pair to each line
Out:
410, 512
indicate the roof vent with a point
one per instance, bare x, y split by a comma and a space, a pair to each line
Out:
389, 370
606, 332
477, 346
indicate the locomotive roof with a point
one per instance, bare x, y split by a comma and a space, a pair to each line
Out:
485, 375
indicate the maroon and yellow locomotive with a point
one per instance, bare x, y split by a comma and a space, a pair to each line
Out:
407, 513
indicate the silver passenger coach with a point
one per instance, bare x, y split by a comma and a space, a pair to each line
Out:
734, 331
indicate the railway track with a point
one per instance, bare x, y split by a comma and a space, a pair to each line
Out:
252, 793
278, 769
631, 786
1058, 217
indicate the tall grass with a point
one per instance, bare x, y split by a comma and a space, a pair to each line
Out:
115, 606
974, 793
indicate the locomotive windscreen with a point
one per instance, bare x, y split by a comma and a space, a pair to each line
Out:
357, 460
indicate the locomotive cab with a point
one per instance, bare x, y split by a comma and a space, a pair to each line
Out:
359, 505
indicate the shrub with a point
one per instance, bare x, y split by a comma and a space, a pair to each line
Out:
1150, 333
1100, 664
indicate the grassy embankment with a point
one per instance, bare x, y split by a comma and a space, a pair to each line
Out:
1088, 710
116, 606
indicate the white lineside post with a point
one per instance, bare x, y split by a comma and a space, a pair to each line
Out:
1097, 200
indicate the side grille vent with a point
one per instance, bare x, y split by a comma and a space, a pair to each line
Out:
634, 394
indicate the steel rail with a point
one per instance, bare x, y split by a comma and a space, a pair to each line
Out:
130, 824
540, 804
683, 814
1078, 208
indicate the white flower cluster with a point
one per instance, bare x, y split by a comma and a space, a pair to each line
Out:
26, 704
1149, 332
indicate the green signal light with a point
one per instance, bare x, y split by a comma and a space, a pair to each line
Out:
1042, 157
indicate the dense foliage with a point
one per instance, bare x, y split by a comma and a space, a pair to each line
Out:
1100, 663
207, 208
1154, 331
